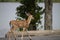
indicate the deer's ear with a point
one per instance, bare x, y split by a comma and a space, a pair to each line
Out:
27, 14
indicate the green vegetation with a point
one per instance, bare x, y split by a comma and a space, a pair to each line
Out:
32, 7
19, 0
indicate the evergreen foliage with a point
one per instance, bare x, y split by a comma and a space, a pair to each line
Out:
32, 7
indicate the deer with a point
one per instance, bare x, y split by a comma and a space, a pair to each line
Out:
21, 24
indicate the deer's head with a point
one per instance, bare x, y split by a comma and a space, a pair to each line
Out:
29, 15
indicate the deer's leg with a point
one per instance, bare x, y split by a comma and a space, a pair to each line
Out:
14, 27
22, 34
28, 35
8, 36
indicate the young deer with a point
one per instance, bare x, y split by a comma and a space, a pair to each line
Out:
21, 24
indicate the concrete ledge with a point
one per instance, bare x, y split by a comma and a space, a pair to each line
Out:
37, 33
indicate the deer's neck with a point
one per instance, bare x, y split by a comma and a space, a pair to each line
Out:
29, 20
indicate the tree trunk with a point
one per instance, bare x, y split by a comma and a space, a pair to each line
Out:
48, 15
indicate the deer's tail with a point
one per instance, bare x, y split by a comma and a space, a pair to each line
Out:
10, 23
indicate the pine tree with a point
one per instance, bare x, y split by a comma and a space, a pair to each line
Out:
32, 7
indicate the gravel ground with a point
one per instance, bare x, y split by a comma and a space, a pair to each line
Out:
55, 37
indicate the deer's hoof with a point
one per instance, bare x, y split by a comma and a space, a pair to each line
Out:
30, 39
15, 38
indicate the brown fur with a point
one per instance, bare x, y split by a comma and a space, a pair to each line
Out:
20, 23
